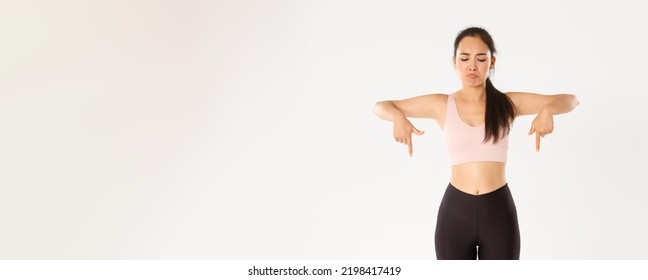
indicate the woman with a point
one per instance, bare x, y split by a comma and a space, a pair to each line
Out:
477, 216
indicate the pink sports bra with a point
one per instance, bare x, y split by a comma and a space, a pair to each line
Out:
464, 142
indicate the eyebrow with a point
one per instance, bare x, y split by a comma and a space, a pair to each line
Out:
463, 53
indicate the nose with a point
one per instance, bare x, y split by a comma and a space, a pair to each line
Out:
472, 66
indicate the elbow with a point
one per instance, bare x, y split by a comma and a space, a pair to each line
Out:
574, 99
378, 107
571, 102
381, 109
570, 99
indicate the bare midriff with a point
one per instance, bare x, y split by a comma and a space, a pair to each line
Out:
480, 177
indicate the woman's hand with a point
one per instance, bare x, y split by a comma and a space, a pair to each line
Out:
542, 125
403, 129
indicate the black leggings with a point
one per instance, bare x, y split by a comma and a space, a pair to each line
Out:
477, 226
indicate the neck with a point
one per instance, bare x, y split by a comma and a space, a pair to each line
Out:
475, 94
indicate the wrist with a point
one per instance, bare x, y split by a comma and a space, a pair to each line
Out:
397, 114
548, 110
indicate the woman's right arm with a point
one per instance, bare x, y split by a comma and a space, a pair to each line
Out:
415, 107
397, 111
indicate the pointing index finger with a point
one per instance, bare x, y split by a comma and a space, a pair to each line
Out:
537, 141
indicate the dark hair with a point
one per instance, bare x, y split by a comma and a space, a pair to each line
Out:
500, 111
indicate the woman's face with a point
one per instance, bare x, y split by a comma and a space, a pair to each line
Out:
473, 61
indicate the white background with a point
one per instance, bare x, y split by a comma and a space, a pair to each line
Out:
245, 129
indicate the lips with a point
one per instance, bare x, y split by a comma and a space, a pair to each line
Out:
472, 76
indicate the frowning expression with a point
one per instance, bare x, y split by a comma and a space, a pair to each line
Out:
473, 61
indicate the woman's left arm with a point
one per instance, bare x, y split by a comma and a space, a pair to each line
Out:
532, 103
546, 106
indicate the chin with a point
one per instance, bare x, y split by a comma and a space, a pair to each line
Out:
471, 83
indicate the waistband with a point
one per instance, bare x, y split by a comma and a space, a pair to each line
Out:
503, 188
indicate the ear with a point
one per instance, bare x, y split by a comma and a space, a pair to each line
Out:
493, 59
454, 62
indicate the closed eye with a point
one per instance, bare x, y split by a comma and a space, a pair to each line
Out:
480, 60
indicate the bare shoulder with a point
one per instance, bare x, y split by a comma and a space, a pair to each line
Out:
422, 106
436, 98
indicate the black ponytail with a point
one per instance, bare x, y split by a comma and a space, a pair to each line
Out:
500, 113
